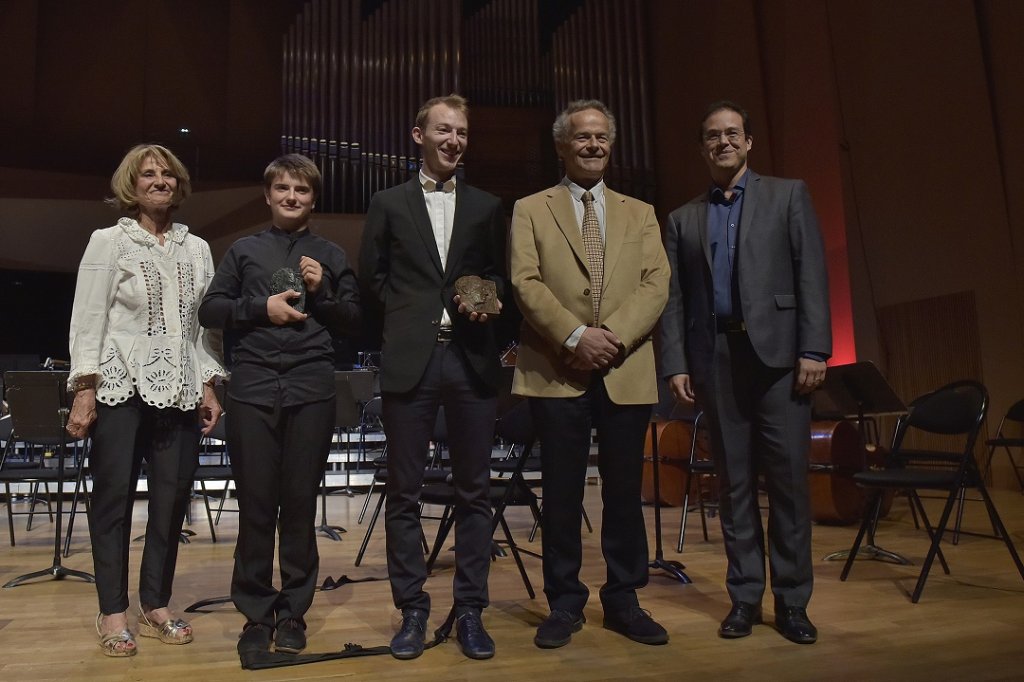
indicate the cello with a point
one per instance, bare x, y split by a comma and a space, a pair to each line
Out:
837, 453
675, 438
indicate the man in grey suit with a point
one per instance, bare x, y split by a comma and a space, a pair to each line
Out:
746, 334
419, 238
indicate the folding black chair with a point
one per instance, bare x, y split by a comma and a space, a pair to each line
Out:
1007, 440
434, 472
699, 465
218, 472
957, 409
34, 399
39, 409
8, 465
516, 427
361, 384
371, 422
27, 462
346, 416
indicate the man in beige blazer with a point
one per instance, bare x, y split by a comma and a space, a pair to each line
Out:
591, 278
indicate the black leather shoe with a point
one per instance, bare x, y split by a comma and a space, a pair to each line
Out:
794, 624
740, 621
473, 639
290, 636
408, 642
636, 624
255, 637
557, 629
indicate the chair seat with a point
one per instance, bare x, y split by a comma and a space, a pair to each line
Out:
701, 466
444, 493
34, 474
213, 472
438, 476
1005, 442
918, 456
507, 466
930, 479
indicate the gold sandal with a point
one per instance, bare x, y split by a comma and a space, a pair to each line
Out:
171, 631
115, 644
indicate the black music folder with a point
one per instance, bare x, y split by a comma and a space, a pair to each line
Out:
855, 391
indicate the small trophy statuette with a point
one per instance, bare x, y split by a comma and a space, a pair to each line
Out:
289, 278
477, 294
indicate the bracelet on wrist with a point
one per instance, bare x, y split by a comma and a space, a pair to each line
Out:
83, 383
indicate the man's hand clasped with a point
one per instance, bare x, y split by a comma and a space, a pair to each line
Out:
597, 349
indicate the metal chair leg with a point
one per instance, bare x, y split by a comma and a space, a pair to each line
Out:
80, 485
1001, 529
933, 550
209, 514
10, 512
369, 530
871, 511
447, 521
366, 502
223, 498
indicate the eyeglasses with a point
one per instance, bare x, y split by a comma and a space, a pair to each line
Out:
711, 137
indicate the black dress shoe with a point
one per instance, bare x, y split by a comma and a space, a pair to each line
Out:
290, 636
255, 638
740, 621
408, 642
794, 624
636, 624
557, 629
473, 639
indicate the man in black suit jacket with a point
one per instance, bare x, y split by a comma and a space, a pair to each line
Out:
418, 239
746, 334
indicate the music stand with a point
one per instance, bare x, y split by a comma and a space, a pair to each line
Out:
673, 568
56, 570
856, 391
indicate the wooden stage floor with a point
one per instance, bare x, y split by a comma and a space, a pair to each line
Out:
967, 626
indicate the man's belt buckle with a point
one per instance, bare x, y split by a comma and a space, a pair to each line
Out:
445, 334
731, 326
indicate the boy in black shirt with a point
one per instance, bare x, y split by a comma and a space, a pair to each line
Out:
281, 396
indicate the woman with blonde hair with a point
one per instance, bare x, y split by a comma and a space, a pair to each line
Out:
142, 371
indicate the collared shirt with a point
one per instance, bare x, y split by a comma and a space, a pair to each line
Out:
290, 364
577, 192
441, 209
597, 191
723, 235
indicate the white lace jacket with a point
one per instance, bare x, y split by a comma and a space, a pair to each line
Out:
134, 323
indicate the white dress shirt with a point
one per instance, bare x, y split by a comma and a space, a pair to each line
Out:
441, 210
